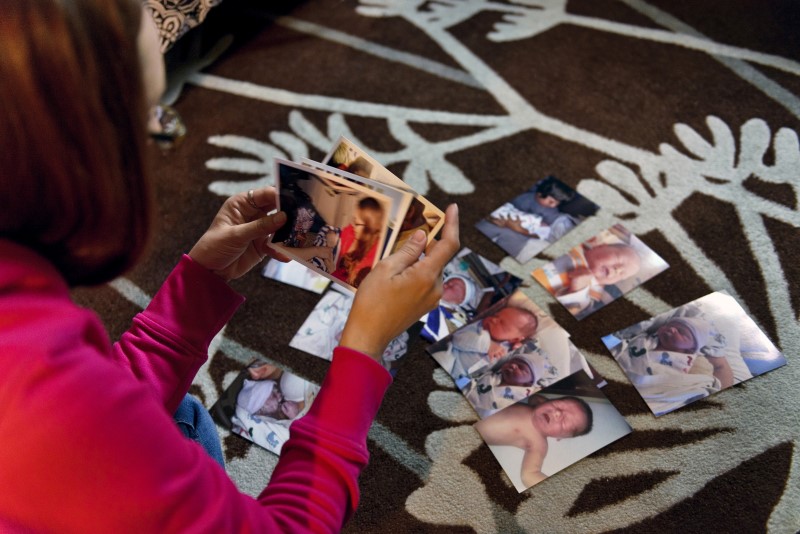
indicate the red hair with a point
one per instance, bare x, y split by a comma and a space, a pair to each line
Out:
73, 133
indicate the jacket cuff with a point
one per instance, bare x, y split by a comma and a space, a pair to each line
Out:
195, 302
352, 376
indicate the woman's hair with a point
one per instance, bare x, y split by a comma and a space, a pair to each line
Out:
73, 133
551, 187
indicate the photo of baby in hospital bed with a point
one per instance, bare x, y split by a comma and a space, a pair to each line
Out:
693, 351
508, 353
470, 284
262, 403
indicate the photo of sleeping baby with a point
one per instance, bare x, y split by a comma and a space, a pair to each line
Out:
507, 353
471, 284
693, 351
535, 219
543, 434
599, 271
262, 403
321, 331
334, 226
420, 214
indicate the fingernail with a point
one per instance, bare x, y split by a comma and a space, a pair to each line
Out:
279, 218
419, 236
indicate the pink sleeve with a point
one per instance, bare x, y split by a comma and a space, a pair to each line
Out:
316, 480
168, 341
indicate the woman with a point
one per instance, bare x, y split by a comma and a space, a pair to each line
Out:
90, 444
358, 243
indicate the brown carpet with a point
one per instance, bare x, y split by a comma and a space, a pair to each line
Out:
679, 118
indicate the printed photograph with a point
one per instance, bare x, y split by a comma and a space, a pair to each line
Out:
334, 226
693, 351
547, 432
262, 403
321, 331
471, 284
533, 220
295, 274
507, 353
420, 214
599, 271
400, 200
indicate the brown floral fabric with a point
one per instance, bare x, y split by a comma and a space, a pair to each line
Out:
175, 17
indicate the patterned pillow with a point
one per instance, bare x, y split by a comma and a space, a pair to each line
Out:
175, 17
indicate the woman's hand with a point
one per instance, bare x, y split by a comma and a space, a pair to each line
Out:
238, 236
400, 290
265, 371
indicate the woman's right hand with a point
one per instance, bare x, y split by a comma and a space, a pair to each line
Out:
400, 290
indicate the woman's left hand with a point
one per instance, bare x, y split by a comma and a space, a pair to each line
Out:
238, 237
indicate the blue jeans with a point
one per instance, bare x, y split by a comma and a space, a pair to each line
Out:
195, 423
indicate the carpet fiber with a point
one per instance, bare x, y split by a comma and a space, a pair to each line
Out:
679, 118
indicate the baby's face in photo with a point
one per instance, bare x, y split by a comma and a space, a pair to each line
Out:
547, 201
516, 373
454, 290
610, 264
677, 337
272, 406
559, 418
508, 324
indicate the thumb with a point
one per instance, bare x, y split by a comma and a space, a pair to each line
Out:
410, 252
261, 227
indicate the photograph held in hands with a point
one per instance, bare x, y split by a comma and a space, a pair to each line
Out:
334, 226
420, 214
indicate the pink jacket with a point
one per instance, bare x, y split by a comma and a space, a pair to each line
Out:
88, 441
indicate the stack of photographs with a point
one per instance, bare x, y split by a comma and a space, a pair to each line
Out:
347, 213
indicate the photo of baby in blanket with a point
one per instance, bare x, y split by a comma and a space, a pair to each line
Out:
693, 351
536, 218
599, 271
511, 351
550, 430
471, 284
261, 404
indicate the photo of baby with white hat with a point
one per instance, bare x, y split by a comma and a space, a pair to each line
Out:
262, 402
471, 285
